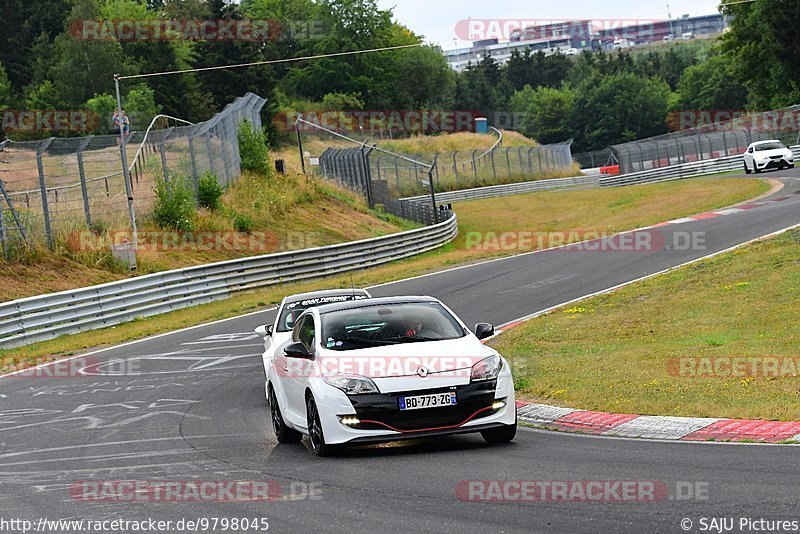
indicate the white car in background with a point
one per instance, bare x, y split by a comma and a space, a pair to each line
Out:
293, 307
388, 369
763, 155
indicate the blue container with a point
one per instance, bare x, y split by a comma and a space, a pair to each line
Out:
482, 126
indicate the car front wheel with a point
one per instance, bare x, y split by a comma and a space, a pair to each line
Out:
746, 169
282, 432
316, 433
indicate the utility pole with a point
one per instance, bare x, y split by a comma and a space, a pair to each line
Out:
125, 172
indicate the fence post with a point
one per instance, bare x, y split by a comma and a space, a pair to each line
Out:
84, 192
436, 167
195, 174
43, 189
508, 161
3, 231
530, 163
433, 195
455, 165
164, 163
396, 172
475, 165
494, 169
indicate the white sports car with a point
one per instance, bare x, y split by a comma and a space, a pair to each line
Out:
763, 155
387, 369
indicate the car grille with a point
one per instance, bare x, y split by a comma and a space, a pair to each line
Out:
383, 408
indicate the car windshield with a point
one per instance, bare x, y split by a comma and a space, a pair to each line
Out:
768, 146
389, 324
292, 310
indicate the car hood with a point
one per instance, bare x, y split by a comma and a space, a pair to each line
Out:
410, 366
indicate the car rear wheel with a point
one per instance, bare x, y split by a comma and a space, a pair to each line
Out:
315, 432
500, 434
282, 432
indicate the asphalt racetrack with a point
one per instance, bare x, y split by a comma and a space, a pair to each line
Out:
190, 406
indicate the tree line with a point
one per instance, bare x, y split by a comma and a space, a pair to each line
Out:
597, 99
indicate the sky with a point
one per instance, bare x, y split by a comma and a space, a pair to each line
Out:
437, 20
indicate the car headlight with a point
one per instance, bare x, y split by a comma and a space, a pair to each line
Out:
351, 384
486, 369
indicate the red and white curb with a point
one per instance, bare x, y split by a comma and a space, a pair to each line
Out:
657, 427
727, 211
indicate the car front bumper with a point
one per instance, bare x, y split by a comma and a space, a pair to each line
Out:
380, 418
774, 163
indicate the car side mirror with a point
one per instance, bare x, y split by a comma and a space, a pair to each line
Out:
484, 330
264, 330
298, 350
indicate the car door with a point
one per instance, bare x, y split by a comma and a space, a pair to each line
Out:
297, 370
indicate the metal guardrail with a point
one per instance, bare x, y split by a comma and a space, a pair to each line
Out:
684, 170
33, 319
575, 182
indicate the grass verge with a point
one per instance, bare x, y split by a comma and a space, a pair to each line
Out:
685, 343
612, 210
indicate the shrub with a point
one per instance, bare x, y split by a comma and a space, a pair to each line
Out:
243, 223
209, 192
253, 148
174, 205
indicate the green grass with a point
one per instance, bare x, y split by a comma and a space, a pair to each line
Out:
622, 352
551, 211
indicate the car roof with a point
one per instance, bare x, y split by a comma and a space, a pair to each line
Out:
325, 293
767, 141
382, 301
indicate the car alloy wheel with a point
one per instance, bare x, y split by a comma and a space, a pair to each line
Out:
315, 432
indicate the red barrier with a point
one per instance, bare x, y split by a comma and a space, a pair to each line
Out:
611, 170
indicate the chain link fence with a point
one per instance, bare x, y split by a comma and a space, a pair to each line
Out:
386, 178
708, 141
58, 185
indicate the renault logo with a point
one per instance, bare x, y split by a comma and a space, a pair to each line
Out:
422, 372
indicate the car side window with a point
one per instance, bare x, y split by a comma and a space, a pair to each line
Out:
750, 150
307, 332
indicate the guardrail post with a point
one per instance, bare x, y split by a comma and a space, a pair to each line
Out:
43, 190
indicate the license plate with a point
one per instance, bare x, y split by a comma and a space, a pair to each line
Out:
436, 400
